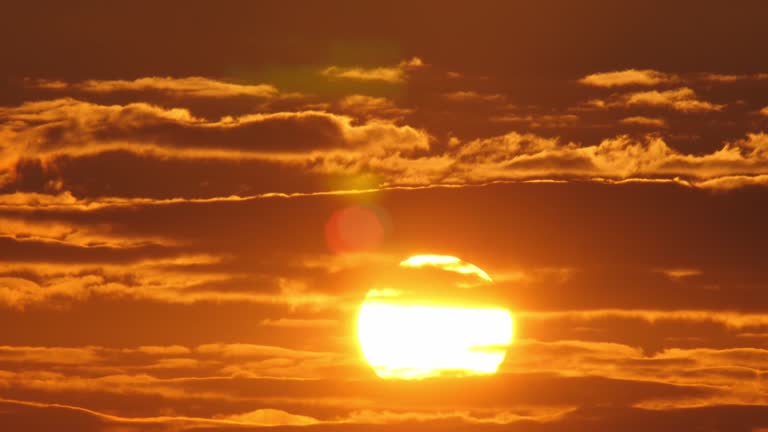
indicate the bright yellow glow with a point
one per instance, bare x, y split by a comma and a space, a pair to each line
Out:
418, 341
403, 335
446, 262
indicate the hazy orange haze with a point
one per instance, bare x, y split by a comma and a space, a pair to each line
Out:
196, 197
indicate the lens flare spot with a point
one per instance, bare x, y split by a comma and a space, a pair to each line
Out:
354, 229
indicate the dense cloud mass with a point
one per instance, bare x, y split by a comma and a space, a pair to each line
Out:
174, 253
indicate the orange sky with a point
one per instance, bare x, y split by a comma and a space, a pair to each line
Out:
171, 177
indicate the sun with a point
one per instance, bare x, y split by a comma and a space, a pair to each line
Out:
433, 323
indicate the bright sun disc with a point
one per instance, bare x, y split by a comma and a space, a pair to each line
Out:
411, 338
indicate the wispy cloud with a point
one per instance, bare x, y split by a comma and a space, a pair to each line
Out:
61, 233
681, 99
100, 274
733, 320
473, 96
538, 121
370, 106
629, 77
645, 121
529, 156
188, 86
733, 370
729, 78
391, 74
679, 273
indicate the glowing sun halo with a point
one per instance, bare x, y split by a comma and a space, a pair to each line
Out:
406, 334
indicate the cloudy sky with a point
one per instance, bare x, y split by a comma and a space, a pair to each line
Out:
173, 177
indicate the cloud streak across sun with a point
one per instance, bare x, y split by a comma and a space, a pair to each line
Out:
404, 333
